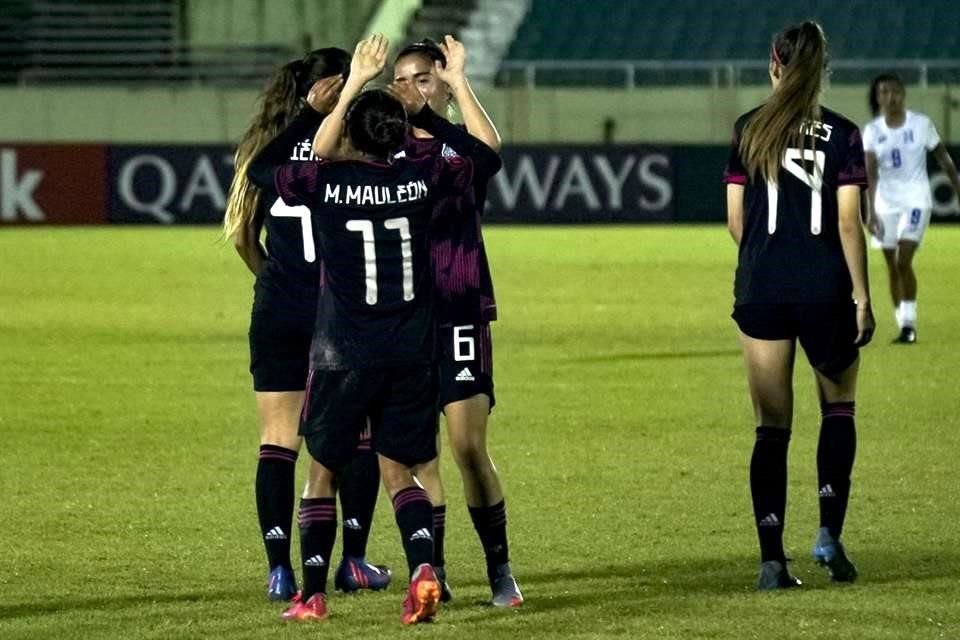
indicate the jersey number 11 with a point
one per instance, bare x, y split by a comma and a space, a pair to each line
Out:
365, 228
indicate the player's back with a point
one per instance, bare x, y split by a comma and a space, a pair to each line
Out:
790, 251
371, 220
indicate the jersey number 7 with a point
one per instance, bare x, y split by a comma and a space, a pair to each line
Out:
281, 210
813, 180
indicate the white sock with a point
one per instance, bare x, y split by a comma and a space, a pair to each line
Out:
896, 316
908, 313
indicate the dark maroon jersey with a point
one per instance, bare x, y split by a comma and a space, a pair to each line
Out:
461, 273
790, 251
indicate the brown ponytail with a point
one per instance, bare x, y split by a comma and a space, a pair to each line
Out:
278, 105
802, 53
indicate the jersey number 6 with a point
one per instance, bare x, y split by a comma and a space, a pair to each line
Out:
365, 228
813, 180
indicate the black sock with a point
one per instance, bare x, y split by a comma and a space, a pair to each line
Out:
835, 454
439, 529
768, 486
415, 519
491, 525
275, 497
359, 488
318, 530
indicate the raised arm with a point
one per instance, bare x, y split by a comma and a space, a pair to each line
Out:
369, 59
477, 121
855, 254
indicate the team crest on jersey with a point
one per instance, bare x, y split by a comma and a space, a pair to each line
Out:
451, 156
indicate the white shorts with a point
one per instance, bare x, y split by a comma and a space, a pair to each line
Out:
909, 224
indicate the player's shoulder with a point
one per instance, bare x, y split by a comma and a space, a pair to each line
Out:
744, 118
837, 120
874, 125
917, 118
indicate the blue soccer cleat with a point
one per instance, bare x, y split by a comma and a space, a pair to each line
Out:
504, 588
355, 574
281, 585
829, 552
774, 576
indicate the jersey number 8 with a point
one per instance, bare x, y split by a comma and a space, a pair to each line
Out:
813, 180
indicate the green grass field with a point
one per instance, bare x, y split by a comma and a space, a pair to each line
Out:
623, 432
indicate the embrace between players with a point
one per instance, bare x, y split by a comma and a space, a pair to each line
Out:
371, 312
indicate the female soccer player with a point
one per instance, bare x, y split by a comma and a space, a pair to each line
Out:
373, 346
896, 142
465, 309
793, 197
284, 308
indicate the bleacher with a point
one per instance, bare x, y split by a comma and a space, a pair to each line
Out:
685, 31
116, 41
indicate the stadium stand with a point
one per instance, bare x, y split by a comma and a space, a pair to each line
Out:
58, 41
692, 30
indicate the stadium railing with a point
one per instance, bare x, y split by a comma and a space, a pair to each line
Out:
629, 74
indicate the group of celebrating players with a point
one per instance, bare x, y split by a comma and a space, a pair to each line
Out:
373, 301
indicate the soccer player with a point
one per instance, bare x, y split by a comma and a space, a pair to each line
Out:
793, 179
896, 142
284, 308
465, 309
373, 347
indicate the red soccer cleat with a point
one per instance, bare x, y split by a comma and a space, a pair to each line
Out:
423, 596
313, 610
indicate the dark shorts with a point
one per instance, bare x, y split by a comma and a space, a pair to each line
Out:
826, 332
400, 403
279, 350
465, 359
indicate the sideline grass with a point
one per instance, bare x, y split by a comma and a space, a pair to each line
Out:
622, 432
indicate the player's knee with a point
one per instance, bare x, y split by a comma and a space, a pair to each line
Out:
470, 454
321, 482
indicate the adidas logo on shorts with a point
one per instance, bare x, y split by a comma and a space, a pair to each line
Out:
465, 375
275, 534
421, 534
770, 521
314, 561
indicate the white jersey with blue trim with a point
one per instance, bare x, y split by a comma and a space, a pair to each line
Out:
902, 181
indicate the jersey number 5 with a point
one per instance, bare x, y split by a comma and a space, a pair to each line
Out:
365, 228
281, 210
813, 180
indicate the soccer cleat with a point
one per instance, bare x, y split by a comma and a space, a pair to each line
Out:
774, 576
423, 596
281, 585
313, 610
354, 574
908, 335
829, 553
446, 595
506, 592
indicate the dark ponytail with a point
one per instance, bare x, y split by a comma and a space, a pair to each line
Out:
801, 52
376, 123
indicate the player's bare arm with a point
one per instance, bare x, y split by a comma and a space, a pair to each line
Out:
475, 118
855, 254
873, 222
735, 211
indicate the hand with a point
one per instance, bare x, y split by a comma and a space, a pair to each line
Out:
875, 226
369, 58
324, 93
456, 56
408, 95
865, 324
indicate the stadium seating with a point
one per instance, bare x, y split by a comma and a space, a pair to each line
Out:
734, 29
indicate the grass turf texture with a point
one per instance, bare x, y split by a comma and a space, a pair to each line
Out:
622, 431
